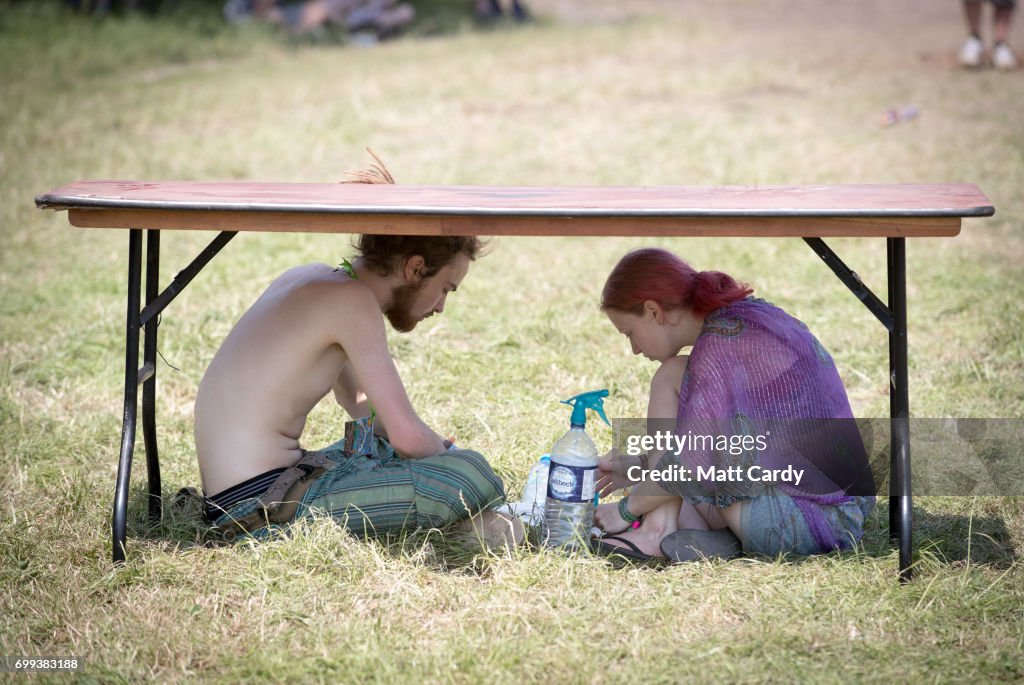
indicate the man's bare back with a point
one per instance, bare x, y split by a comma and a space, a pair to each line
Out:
273, 368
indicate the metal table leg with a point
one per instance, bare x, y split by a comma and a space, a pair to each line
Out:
894, 502
131, 385
894, 317
899, 405
148, 317
148, 377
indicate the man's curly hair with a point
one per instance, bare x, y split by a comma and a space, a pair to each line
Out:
384, 253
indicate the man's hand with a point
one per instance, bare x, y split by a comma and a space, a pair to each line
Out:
611, 472
608, 519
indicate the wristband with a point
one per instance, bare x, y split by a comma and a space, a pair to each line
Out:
627, 516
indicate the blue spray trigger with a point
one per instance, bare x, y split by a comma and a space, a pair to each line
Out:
593, 399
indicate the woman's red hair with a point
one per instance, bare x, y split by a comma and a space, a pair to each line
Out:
654, 274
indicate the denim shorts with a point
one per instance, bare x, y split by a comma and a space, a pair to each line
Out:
773, 524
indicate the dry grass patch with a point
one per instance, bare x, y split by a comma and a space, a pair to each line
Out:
772, 91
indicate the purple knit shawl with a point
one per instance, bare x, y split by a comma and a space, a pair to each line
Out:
753, 365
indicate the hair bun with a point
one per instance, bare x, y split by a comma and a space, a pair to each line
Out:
709, 279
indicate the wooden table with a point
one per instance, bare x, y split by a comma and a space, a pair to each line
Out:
893, 212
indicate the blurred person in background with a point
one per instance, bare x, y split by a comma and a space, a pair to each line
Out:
384, 17
972, 54
490, 10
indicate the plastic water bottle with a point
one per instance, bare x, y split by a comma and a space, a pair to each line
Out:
536, 491
569, 510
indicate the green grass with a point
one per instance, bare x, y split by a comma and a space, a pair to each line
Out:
752, 92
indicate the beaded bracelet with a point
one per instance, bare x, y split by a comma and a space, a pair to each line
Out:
627, 516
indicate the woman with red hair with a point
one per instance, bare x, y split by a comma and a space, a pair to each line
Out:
760, 454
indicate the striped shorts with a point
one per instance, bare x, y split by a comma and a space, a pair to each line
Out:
382, 493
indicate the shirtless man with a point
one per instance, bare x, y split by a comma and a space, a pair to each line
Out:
318, 329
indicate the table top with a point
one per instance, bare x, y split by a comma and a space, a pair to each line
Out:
827, 210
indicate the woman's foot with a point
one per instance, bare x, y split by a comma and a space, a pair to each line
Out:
655, 525
691, 545
648, 542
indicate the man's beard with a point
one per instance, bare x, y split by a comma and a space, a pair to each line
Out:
400, 312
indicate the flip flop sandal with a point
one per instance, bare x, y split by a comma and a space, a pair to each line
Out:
691, 545
631, 551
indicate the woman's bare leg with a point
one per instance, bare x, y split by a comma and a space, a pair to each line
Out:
710, 517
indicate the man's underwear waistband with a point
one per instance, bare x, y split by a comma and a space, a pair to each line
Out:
217, 504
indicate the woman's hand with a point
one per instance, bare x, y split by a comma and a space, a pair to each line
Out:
612, 470
607, 518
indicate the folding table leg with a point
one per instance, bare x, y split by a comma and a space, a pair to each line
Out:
894, 501
148, 317
894, 317
149, 379
900, 503
131, 385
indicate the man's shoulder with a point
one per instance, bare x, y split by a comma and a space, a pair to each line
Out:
313, 282
315, 272
316, 297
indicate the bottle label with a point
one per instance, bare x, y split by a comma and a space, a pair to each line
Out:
575, 484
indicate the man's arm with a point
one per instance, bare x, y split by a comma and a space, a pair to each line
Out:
355, 402
371, 377
349, 396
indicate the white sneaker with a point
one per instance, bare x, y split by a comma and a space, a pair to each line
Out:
1003, 57
972, 53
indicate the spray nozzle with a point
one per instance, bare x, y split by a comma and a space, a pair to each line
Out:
584, 401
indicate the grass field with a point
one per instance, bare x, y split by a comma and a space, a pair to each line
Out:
596, 92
